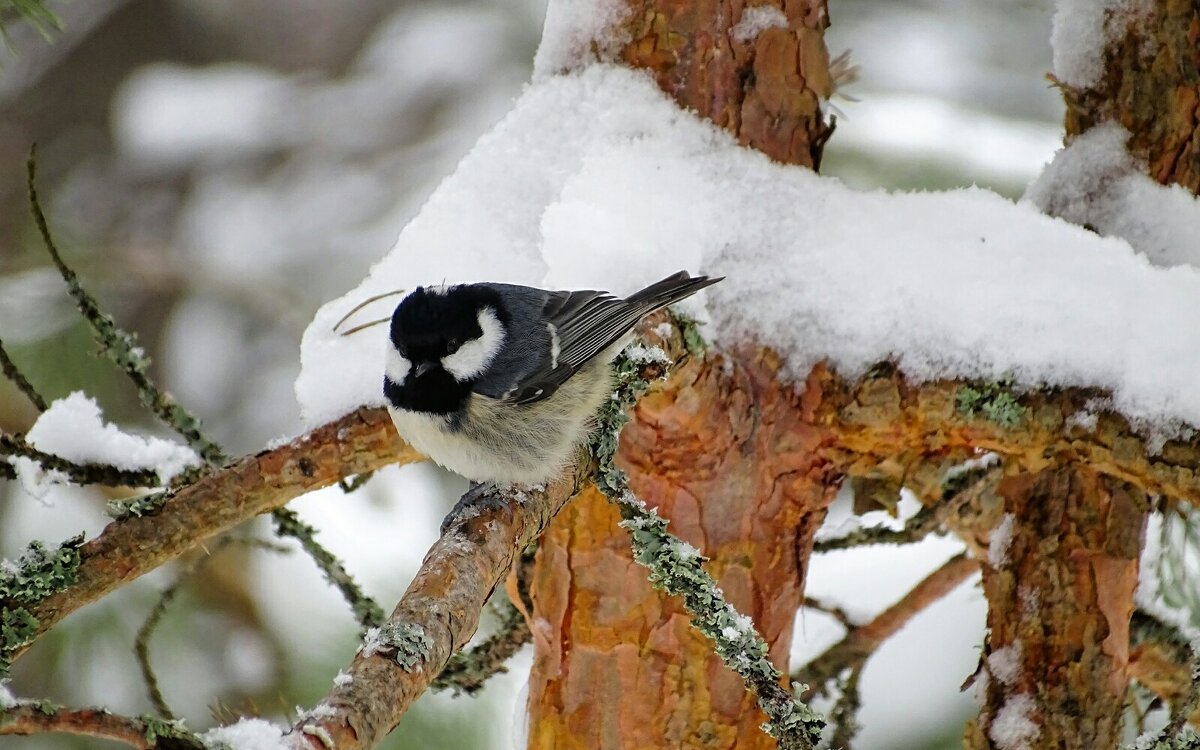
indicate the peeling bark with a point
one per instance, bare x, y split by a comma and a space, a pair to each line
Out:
616, 663
767, 89
1060, 581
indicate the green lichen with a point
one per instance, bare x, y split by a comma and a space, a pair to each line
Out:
38, 574
163, 729
676, 567
136, 507
693, 339
406, 643
993, 401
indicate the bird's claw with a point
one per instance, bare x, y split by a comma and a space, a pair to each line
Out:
480, 497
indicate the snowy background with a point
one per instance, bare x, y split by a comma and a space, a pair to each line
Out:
219, 170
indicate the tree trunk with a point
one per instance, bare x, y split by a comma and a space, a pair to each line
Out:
1061, 573
1151, 86
617, 664
721, 452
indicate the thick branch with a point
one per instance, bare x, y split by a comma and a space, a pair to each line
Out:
359, 442
140, 733
436, 617
865, 423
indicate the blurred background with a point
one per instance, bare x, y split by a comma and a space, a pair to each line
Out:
216, 169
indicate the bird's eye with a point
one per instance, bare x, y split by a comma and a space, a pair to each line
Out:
452, 346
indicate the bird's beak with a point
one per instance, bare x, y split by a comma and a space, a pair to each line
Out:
423, 368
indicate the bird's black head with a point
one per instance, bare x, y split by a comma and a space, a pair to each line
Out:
442, 340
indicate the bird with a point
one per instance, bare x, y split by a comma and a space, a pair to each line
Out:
501, 383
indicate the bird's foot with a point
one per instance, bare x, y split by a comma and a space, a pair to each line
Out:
480, 497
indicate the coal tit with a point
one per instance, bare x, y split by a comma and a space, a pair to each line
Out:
500, 383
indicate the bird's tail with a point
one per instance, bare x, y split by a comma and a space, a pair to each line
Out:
670, 290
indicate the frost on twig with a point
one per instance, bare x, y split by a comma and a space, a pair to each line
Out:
676, 568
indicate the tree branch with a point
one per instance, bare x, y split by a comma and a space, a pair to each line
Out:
144, 733
862, 641
358, 442
436, 617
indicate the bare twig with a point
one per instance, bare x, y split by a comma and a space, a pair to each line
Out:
862, 641
119, 346
366, 611
143, 733
844, 715
14, 374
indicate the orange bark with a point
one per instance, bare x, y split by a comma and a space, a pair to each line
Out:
617, 664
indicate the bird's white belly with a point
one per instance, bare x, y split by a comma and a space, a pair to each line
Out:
509, 444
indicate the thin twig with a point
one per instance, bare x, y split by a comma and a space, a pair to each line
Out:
144, 733
860, 642
119, 346
79, 473
141, 645
366, 611
14, 374
844, 715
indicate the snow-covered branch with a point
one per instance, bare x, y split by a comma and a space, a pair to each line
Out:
131, 547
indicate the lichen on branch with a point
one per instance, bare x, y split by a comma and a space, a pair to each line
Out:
676, 567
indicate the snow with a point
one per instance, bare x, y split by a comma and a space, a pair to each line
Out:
597, 180
1081, 32
1005, 663
1095, 182
1011, 727
342, 679
246, 734
756, 20
1002, 537
74, 429
571, 32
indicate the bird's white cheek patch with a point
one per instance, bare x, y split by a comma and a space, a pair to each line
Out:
397, 367
473, 357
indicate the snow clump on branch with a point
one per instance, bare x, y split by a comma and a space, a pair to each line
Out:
597, 180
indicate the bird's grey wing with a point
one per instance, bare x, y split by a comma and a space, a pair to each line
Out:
582, 324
